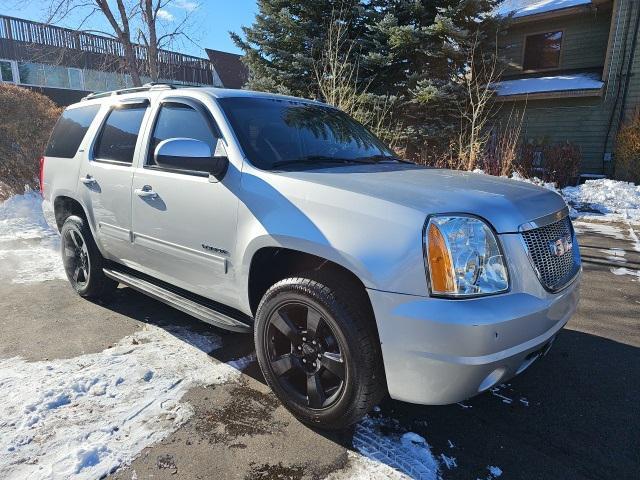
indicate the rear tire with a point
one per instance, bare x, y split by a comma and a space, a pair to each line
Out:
83, 262
319, 351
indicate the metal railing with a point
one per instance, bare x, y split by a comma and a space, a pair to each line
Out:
27, 32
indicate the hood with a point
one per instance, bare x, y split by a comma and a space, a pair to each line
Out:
505, 203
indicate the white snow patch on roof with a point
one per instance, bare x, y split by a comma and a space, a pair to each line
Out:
525, 8
29, 248
87, 416
557, 83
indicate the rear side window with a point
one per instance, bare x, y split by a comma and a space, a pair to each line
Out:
178, 120
117, 140
69, 131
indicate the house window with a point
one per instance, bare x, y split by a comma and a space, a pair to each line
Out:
8, 71
75, 78
542, 51
31, 73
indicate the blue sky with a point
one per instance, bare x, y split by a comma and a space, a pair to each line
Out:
209, 20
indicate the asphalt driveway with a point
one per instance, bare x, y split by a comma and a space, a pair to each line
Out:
573, 415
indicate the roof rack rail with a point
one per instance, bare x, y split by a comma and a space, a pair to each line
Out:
144, 88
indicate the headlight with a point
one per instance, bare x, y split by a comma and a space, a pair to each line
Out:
463, 257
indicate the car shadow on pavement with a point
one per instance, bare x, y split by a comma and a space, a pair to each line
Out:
573, 414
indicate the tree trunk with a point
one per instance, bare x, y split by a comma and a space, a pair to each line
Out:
150, 14
124, 35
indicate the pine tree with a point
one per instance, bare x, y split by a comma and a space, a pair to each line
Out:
286, 40
415, 51
419, 51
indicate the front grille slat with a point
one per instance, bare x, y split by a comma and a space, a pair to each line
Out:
553, 271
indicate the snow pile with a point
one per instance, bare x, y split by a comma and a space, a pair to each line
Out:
397, 456
535, 180
29, 248
89, 415
610, 199
613, 198
523, 8
521, 86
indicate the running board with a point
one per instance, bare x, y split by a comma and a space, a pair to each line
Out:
174, 299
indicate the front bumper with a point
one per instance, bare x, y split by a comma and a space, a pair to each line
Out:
439, 351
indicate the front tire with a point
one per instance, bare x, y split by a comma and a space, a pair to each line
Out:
318, 350
83, 262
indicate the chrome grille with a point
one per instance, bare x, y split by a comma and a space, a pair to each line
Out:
554, 271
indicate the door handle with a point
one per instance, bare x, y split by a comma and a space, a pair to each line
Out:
146, 192
88, 180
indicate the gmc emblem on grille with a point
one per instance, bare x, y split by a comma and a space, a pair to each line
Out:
561, 246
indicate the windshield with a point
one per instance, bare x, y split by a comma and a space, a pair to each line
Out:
281, 133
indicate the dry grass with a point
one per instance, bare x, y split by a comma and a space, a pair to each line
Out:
27, 120
627, 166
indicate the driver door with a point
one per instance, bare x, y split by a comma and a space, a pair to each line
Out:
184, 231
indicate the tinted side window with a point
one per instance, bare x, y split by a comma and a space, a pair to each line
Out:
117, 140
177, 120
70, 130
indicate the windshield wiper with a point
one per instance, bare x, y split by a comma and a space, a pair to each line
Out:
384, 158
321, 159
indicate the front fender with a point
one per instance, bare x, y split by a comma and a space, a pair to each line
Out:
379, 241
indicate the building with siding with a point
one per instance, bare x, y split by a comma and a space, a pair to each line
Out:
573, 69
66, 65
233, 73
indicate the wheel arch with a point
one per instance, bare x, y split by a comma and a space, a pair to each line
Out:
270, 264
65, 206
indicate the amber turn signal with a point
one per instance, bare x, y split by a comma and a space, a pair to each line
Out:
440, 264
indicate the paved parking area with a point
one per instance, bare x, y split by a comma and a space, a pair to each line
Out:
573, 415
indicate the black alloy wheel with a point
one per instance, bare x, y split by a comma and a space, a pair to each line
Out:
318, 348
83, 262
305, 355
76, 258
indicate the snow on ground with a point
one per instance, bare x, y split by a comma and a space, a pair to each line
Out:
29, 248
626, 271
616, 255
615, 199
394, 454
605, 229
634, 239
243, 362
601, 199
86, 416
555, 83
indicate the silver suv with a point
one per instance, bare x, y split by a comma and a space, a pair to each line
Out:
357, 272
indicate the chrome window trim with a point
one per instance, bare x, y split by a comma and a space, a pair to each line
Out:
544, 221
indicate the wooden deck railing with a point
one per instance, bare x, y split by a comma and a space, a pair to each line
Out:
27, 32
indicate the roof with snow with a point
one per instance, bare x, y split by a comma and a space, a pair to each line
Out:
549, 83
525, 8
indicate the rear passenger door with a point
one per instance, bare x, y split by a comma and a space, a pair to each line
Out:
65, 151
105, 178
185, 233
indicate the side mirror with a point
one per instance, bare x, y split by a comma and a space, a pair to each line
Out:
190, 155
